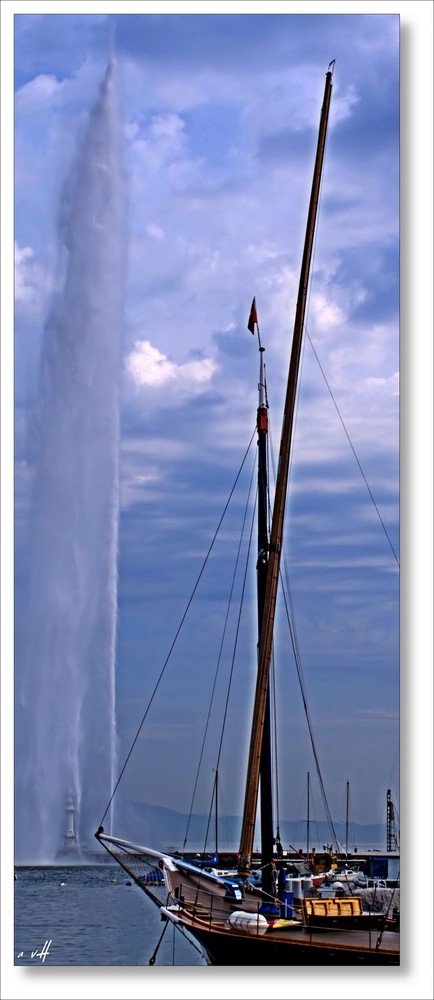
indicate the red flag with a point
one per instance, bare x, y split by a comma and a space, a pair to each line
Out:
253, 318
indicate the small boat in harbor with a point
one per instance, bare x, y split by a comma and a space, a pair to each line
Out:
270, 914
345, 874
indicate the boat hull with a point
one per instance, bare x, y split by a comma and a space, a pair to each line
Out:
205, 907
228, 949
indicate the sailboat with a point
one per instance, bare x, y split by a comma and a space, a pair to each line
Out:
235, 920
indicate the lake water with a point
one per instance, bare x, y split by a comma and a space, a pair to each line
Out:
95, 918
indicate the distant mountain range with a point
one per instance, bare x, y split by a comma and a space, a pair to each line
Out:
165, 829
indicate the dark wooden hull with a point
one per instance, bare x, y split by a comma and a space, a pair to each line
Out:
302, 948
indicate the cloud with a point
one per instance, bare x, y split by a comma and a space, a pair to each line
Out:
32, 283
147, 366
38, 94
327, 314
158, 143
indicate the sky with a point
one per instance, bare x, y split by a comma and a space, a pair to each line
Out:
220, 117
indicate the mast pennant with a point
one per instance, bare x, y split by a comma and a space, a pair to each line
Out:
253, 318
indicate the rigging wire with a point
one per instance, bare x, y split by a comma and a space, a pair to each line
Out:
180, 930
246, 568
154, 953
353, 448
290, 614
297, 658
328, 385
172, 646
229, 604
294, 642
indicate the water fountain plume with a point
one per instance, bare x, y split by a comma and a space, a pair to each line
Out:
65, 718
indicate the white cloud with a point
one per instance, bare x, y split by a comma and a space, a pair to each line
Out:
148, 366
38, 93
159, 143
328, 314
388, 386
344, 104
32, 283
48, 93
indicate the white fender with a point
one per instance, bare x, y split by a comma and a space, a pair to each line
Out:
250, 923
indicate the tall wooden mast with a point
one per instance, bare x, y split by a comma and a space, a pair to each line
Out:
266, 639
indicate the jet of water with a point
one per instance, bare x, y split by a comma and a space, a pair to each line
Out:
65, 721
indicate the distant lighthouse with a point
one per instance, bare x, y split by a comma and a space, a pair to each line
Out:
70, 840
70, 847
